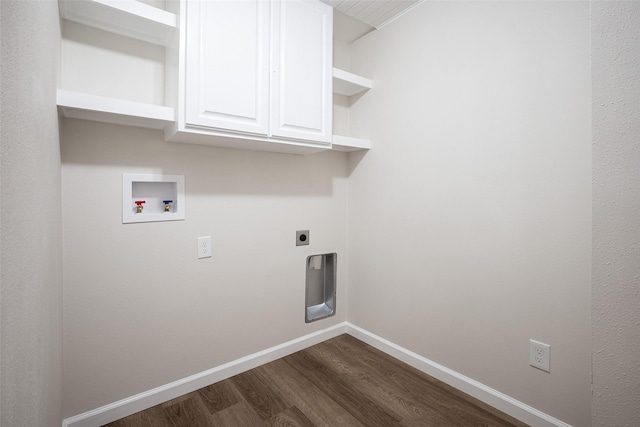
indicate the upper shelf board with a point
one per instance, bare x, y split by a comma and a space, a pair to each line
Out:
117, 111
125, 17
347, 143
346, 83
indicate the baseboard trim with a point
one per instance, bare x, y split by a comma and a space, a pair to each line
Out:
500, 401
147, 399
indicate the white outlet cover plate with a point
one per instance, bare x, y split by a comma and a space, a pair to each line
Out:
204, 247
539, 355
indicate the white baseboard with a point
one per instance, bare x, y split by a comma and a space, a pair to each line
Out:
500, 401
147, 399
158, 395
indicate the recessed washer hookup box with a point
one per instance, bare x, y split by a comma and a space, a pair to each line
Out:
152, 197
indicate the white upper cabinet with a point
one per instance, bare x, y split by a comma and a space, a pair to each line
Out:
301, 61
227, 65
254, 74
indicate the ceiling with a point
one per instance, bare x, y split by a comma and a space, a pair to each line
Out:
355, 18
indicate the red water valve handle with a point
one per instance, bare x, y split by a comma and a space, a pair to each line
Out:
139, 202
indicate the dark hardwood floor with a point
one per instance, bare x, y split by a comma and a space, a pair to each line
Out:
340, 382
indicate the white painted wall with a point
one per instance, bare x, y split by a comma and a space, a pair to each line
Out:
31, 253
340, 102
140, 310
616, 213
470, 219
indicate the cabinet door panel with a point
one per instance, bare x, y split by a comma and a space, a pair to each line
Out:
227, 65
302, 50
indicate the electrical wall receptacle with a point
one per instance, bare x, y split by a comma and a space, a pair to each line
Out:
204, 247
302, 237
539, 354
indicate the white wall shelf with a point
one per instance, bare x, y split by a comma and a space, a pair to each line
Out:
349, 84
125, 17
132, 19
110, 110
348, 143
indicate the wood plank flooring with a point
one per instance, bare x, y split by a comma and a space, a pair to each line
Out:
340, 382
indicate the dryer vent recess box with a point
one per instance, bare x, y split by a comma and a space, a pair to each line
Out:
149, 197
320, 283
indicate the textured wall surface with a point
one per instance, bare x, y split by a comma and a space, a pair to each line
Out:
616, 213
31, 259
140, 309
470, 218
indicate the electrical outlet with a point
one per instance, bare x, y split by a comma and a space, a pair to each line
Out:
302, 237
204, 247
539, 354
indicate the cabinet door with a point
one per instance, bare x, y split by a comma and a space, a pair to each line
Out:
227, 65
301, 80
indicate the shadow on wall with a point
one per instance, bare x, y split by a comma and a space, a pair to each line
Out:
106, 41
355, 158
208, 170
